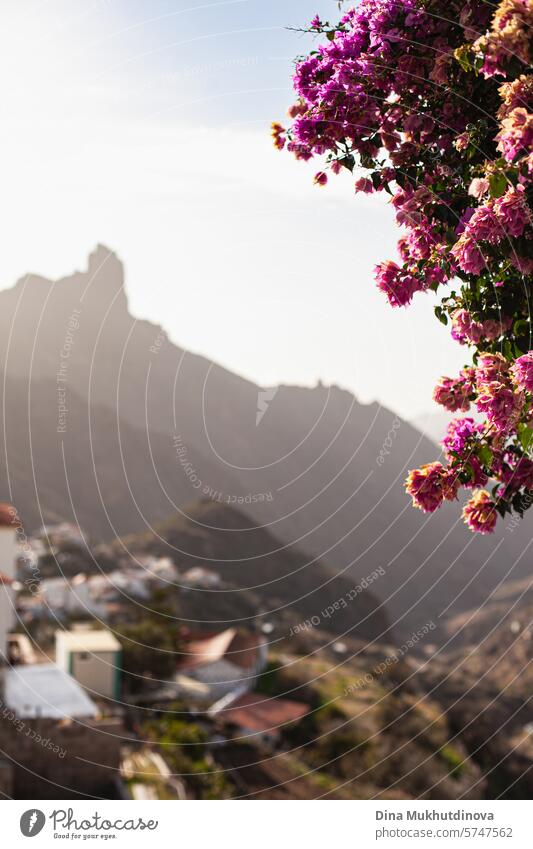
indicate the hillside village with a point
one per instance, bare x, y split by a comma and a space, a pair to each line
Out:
75, 686
116, 690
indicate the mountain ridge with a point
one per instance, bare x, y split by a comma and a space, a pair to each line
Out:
150, 427
256, 569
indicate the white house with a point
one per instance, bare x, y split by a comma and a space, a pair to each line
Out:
9, 551
213, 665
93, 658
42, 691
7, 614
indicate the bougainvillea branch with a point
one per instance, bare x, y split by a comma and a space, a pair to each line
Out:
433, 101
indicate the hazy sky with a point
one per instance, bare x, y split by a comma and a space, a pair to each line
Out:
144, 124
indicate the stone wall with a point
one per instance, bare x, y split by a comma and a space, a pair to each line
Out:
62, 759
6, 780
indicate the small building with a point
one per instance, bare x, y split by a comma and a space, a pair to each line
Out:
77, 596
7, 615
93, 658
43, 691
9, 544
257, 716
53, 738
64, 533
9, 552
200, 578
220, 662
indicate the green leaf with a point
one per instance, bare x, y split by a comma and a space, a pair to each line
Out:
348, 162
469, 473
463, 56
485, 455
502, 507
498, 184
521, 327
508, 350
441, 315
525, 436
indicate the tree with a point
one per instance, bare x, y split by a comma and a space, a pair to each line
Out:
433, 101
149, 649
185, 747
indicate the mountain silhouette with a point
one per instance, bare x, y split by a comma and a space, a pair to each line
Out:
258, 574
109, 424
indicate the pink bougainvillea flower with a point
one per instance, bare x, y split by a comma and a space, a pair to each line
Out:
493, 329
480, 513
512, 211
430, 485
501, 405
479, 187
522, 372
277, 133
454, 393
298, 108
516, 135
398, 285
518, 474
491, 368
469, 255
364, 185
464, 328
461, 434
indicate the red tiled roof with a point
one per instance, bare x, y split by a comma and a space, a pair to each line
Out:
257, 713
238, 647
243, 649
198, 652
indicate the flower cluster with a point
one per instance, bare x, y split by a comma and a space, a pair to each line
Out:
522, 372
509, 38
480, 513
431, 485
465, 330
491, 223
432, 103
497, 398
456, 393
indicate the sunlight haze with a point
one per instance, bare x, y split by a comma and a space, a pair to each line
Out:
134, 130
